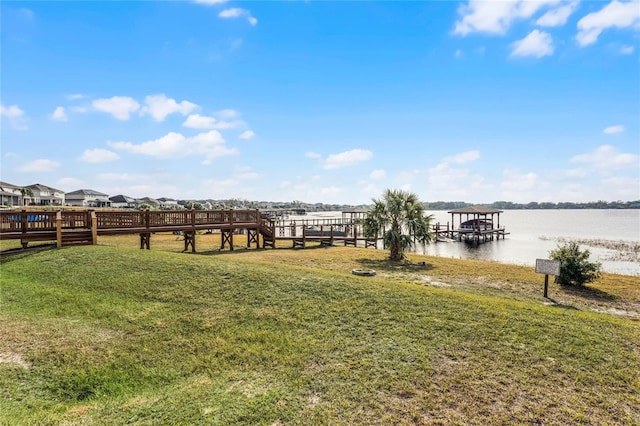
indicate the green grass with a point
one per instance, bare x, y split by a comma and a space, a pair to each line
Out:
111, 334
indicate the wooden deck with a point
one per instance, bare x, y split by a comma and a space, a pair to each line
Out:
84, 227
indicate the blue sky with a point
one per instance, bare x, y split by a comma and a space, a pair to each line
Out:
324, 101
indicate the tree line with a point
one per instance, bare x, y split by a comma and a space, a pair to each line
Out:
533, 205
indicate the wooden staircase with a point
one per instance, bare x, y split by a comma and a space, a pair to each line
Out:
77, 237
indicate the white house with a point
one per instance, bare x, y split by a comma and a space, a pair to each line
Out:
169, 204
10, 195
87, 198
44, 195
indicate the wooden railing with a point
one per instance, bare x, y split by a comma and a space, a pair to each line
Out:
23, 225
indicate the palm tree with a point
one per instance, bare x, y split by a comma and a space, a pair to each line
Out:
26, 192
401, 219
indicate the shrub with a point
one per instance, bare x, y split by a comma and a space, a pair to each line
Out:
575, 267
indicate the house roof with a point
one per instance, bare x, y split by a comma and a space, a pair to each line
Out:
122, 199
8, 186
148, 200
86, 192
476, 210
41, 187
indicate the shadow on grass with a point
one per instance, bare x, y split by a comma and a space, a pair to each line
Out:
393, 266
20, 253
588, 293
555, 304
226, 251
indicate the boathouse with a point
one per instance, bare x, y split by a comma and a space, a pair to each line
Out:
476, 224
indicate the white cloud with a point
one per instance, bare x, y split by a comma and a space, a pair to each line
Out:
495, 17
611, 130
75, 96
245, 173
59, 114
606, 158
120, 107
521, 187
13, 111
463, 157
15, 116
237, 12
69, 182
331, 190
313, 155
458, 53
576, 173
450, 179
377, 174
223, 125
622, 188
159, 107
614, 15
557, 17
207, 145
247, 134
227, 114
197, 121
347, 158
627, 50
98, 155
537, 43
408, 175
39, 166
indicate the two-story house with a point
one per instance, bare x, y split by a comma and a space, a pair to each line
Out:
87, 198
44, 195
10, 195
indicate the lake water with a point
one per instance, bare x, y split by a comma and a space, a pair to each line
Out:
612, 237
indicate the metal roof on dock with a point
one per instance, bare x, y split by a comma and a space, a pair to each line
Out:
476, 210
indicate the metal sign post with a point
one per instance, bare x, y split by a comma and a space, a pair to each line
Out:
547, 267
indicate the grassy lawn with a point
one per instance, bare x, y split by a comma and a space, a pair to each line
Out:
111, 334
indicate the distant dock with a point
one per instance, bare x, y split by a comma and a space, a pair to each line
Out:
476, 224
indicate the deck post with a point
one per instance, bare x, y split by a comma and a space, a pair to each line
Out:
24, 225
94, 228
304, 235
59, 228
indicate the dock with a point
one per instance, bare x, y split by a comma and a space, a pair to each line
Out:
85, 226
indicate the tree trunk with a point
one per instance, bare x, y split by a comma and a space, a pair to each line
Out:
396, 252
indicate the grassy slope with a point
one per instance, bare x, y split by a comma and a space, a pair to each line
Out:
113, 334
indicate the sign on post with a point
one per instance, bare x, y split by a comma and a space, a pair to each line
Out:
547, 267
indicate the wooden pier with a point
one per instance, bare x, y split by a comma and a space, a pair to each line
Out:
85, 226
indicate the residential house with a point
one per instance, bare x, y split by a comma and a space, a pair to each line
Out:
169, 204
45, 196
10, 195
87, 198
151, 202
123, 202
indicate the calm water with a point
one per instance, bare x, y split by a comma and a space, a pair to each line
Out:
533, 233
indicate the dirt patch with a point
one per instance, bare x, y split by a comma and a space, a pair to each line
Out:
13, 358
